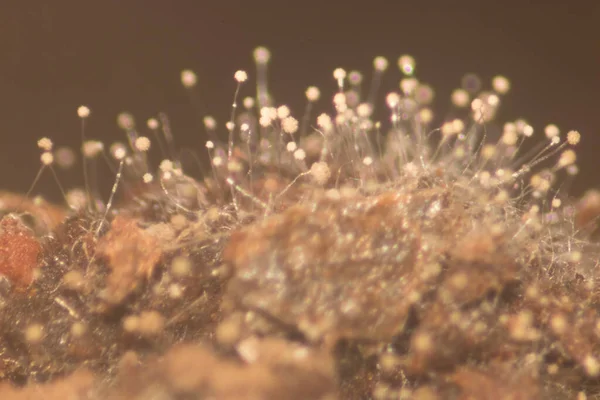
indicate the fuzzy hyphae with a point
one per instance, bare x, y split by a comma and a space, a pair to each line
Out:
341, 252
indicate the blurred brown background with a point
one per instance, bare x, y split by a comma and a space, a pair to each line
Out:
127, 55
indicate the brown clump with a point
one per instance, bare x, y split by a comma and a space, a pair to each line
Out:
132, 254
503, 382
277, 370
587, 211
19, 251
75, 386
330, 269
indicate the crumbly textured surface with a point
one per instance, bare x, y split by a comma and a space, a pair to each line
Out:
324, 265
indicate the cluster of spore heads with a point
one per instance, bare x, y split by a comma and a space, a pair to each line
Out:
326, 255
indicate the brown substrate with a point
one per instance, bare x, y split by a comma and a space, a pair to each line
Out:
413, 291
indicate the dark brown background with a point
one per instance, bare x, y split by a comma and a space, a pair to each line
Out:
127, 55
